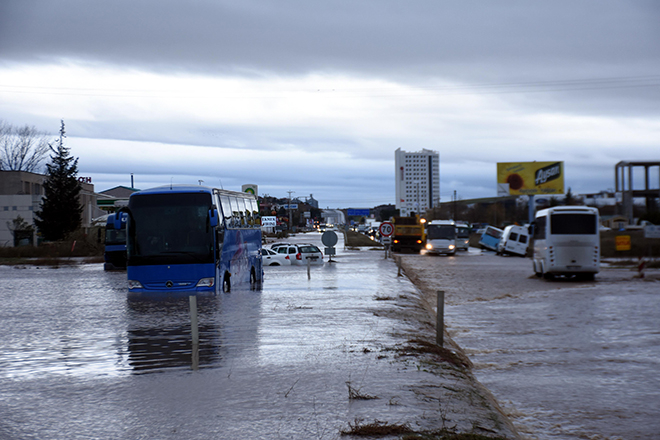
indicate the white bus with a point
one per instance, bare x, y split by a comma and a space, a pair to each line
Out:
462, 236
566, 242
441, 237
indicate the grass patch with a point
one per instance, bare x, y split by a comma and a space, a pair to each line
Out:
419, 346
355, 239
356, 394
55, 253
376, 429
383, 429
448, 435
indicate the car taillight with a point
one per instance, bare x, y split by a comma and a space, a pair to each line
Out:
287, 258
298, 256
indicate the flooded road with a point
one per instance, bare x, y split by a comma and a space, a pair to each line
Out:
301, 359
568, 360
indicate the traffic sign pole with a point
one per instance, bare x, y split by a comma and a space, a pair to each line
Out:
386, 230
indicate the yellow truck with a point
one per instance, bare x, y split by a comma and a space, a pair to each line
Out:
408, 234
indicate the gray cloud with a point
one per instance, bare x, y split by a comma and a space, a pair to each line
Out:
581, 59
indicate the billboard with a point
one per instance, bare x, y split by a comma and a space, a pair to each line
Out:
530, 178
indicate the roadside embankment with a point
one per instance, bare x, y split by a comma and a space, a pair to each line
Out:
458, 391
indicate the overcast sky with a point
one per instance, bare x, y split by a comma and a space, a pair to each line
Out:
315, 96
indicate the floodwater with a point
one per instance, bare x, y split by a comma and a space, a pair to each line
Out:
566, 359
79, 360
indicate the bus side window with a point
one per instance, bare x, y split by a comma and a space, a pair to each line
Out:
226, 210
236, 216
255, 213
539, 228
241, 213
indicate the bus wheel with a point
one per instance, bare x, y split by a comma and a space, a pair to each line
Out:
548, 276
226, 284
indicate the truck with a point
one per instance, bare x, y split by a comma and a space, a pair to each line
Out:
408, 233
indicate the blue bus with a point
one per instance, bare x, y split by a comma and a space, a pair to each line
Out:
115, 243
490, 239
188, 240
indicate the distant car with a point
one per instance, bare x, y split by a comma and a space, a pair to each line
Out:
272, 258
307, 252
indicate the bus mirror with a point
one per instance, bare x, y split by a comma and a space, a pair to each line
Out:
213, 216
121, 216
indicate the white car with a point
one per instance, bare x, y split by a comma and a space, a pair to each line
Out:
272, 258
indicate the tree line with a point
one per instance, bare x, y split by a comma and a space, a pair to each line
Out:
25, 149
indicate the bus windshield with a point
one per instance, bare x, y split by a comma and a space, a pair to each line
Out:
462, 232
573, 224
170, 229
441, 232
115, 236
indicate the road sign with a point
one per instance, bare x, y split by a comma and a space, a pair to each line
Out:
329, 238
386, 229
357, 212
651, 231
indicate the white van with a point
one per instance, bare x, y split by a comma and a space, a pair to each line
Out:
514, 241
567, 242
441, 237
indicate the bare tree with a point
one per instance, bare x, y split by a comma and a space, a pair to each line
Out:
22, 148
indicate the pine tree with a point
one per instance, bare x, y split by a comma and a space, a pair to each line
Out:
61, 210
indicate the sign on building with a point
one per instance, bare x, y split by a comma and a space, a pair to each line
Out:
268, 221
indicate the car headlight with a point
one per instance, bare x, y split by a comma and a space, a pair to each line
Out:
451, 246
429, 246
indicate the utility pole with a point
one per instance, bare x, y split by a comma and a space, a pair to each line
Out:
454, 206
290, 226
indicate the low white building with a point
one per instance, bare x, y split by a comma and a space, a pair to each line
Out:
21, 193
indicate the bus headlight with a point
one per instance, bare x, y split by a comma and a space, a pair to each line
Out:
451, 247
206, 282
132, 284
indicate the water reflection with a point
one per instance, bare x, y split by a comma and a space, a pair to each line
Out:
159, 333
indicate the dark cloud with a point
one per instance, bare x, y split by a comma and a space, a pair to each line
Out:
473, 39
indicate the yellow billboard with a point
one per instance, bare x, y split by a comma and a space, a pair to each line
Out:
530, 178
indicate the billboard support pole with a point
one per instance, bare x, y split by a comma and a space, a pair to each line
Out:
531, 209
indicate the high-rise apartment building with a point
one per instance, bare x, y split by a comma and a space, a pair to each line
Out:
417, 180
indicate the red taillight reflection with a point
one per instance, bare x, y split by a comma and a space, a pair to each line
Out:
298, 256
